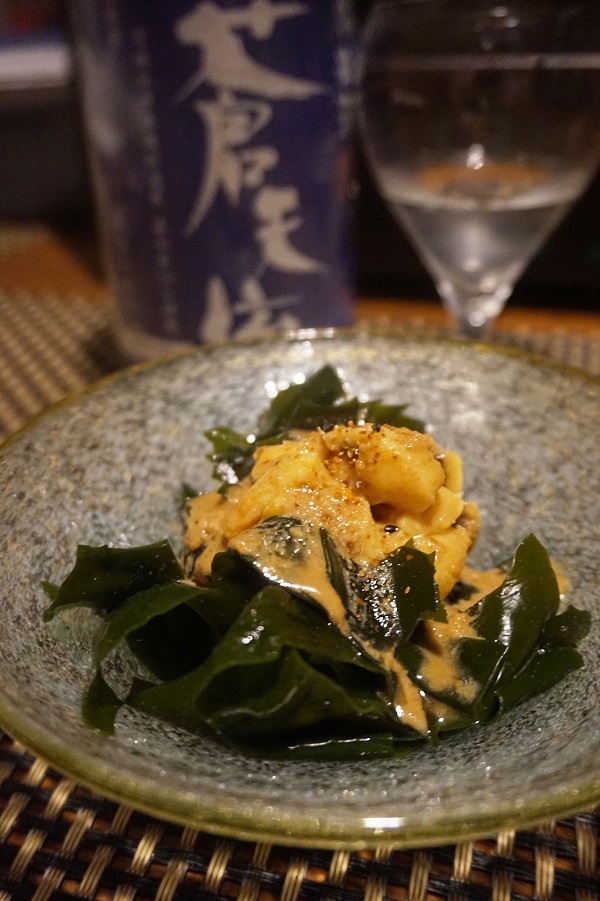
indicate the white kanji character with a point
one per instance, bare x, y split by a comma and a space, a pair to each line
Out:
224, 61
273, 208
229, 124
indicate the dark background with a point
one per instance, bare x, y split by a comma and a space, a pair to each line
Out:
43, 175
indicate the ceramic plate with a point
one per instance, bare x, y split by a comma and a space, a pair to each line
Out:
107, 467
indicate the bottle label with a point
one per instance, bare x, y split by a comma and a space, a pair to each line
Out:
220, 136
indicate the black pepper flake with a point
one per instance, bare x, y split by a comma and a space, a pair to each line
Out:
390, 528
328, 427
376, 427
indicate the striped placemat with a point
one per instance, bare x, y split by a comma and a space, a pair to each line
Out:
59, 842
51, 345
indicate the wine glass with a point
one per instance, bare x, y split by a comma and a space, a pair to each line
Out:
481, 124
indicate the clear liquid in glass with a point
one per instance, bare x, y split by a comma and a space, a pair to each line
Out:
476, 227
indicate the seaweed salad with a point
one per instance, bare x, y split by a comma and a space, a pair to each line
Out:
322, 605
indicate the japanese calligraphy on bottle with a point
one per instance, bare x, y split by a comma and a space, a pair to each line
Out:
221, 152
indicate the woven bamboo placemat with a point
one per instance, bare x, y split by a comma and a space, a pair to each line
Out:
58, 841
51, 345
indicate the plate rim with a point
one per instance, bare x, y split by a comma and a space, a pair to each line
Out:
388, 330
303, 832
300, 830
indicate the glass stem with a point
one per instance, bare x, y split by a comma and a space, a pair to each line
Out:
465, 326
474, 314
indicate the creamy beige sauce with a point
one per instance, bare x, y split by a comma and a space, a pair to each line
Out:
483, 581
561, 578
439, 669
407, 698
372, 489
307, 575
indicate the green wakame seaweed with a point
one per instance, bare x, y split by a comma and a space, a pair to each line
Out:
251, 660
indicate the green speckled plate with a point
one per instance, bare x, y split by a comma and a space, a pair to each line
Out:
107, 467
